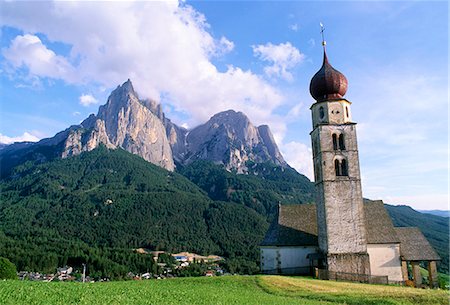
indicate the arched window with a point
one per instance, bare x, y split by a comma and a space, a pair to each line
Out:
321, 113
337, 167
335, 144
341, 142
344, 168
341, 167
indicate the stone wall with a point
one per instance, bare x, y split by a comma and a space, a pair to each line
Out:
357, 263
340, 211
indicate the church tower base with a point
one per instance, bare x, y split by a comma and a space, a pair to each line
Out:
356, 263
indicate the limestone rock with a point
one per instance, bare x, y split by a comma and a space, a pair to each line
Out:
141, 127
124, 121
230, 138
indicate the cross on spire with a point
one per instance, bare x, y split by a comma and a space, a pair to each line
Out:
322, 28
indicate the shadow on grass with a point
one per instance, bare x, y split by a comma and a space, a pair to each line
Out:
353, 299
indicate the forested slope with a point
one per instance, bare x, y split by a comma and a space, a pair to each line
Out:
111, 199
98, 206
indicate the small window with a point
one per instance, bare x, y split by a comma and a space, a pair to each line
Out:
341, 167
341, 142
346, 111
335, 144
337, 167
344, 168
321, 113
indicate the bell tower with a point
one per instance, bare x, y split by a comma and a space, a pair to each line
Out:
340, 213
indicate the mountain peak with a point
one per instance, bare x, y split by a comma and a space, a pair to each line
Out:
122, 92
231, 139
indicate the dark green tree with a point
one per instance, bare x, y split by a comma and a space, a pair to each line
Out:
7, 269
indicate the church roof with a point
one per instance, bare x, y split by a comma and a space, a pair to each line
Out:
379, 226
296, 225
414, 246
327, 83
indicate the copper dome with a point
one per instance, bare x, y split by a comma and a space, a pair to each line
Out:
327, 83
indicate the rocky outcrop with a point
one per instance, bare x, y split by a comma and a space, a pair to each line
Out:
231, 139
124, 121
141, 127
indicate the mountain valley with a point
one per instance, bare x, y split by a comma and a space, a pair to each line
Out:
130, 178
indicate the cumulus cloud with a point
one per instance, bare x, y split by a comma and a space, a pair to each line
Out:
299, 156
29, 52
26, 137
282, 57
165, 48
87, 100
225, 45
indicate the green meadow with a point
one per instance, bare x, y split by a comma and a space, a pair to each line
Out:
216, 290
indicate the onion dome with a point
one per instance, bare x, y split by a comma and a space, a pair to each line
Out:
328, 83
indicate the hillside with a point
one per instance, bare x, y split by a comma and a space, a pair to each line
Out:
435, 228
107, 199
218, 290
442, 213
97, 206
266, 185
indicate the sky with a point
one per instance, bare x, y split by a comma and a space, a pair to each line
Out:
60, 60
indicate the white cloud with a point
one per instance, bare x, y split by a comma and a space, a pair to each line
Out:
76, 113
28, 51
299, 156
283, 57
294, 27
163, 47
225, 45
26, 137
87, 100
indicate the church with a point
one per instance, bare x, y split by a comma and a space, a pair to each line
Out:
341, 233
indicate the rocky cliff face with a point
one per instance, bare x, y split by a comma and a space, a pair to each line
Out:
231, 139
140, 127
124, 121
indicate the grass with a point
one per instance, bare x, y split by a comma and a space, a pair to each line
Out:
218, 290
350, 293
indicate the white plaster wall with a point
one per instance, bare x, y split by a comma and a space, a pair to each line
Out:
385, 260
335, 112
286, 259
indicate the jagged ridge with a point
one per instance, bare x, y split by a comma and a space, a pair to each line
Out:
141, 127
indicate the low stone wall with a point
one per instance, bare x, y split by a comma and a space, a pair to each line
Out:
356, 263
323, 274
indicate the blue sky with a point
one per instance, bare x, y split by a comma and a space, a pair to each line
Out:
60, 60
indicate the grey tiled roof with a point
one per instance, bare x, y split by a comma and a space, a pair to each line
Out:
414, 246
295, 225
379, 226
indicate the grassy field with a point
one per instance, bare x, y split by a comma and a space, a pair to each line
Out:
218, 290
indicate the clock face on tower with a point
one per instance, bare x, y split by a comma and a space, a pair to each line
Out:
334, 110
